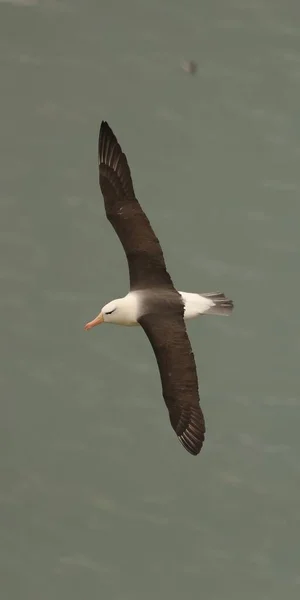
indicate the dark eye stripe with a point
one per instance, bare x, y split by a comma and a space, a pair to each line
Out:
110, 311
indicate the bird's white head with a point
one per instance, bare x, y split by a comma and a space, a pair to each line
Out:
122, 311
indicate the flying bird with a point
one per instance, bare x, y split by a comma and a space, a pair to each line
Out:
153, 302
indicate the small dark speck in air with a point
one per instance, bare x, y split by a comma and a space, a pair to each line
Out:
189, 66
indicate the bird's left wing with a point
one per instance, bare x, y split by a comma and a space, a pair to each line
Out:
170, 342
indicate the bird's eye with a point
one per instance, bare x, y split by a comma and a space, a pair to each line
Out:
108, 312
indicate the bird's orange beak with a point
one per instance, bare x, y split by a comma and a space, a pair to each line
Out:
97, 321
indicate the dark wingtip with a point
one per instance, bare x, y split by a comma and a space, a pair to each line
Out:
104, 128
112, 160
193, 436
192, 446
106, 139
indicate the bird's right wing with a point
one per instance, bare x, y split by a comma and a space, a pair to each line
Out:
176, 363
145, 258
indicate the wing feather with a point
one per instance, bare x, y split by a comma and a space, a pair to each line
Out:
169, 339
144, 254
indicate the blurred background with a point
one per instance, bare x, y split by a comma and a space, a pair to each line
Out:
97, 498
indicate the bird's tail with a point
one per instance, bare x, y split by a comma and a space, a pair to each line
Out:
221, 304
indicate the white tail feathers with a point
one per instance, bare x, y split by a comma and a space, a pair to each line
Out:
214, 303
221, 304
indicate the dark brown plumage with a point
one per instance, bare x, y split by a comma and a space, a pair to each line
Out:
162, 307
146, 262
167, 334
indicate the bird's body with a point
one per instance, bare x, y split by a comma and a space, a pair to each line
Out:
153, 302
127, 310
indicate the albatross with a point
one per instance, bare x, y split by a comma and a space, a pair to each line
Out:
153, 302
